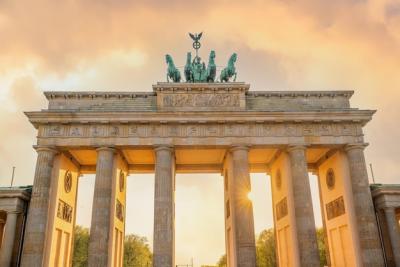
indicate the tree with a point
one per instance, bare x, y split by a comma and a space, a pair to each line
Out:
136, 249
222, 261
81, 243
137, 252
322, 247
265, 249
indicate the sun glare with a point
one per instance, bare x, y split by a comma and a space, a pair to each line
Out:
250, 196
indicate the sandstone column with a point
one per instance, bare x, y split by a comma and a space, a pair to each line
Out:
242, 208
101, 213
371, 251
394, 233
303, 210
8, 240
164, 208
35, 232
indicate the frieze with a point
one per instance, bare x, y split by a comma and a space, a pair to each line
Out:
201, 100
203, 130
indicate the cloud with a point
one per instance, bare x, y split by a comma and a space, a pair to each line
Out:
17, 135
120, 45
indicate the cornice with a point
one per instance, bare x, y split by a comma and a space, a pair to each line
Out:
164, 86
195, 87
294, 94
45, 117
50, 95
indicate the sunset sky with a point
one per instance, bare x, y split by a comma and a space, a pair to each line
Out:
120, 45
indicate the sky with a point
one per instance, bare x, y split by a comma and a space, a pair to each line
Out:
120, 45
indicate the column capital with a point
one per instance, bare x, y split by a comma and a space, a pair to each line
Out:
293, 147
239, 147
389, 209
40, 148
349, 147
163, 147
14, 212
106, 148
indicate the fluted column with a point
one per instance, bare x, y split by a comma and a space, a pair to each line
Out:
101, 213
8, 240
164, 208
36, 225
303, 209
371, 250
242, 208
394, 233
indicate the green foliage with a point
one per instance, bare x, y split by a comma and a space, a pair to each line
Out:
322, 247
265, 249
266, 252
137, 252
81, 243
222, 261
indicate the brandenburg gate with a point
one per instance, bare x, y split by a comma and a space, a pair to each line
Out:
203, 126
212, 128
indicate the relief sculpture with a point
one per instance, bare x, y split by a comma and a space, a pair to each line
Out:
201, 100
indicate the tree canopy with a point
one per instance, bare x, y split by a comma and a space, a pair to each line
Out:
266, 252
136, 250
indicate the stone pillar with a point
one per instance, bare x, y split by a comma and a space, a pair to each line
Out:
303, 209
101, 214
164, 208
8, 240
371, 250
242, 208
36, 226
394, 233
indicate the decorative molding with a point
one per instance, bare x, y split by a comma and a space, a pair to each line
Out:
68, 181
201, 130
301, 94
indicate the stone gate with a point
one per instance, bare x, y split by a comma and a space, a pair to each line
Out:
212, 128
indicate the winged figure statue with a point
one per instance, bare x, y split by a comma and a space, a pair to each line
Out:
195, 37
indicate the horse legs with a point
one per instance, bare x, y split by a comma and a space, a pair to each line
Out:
234, 79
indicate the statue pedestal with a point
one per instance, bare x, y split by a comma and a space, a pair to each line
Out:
201, 96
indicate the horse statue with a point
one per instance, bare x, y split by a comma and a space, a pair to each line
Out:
189, 68
211, 68
172, 71
230, 70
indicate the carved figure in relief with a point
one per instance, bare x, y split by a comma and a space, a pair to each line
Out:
230, 70
114, 130
55, 130
172, 71
76, 131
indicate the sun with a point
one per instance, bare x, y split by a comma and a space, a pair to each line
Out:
250, 196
